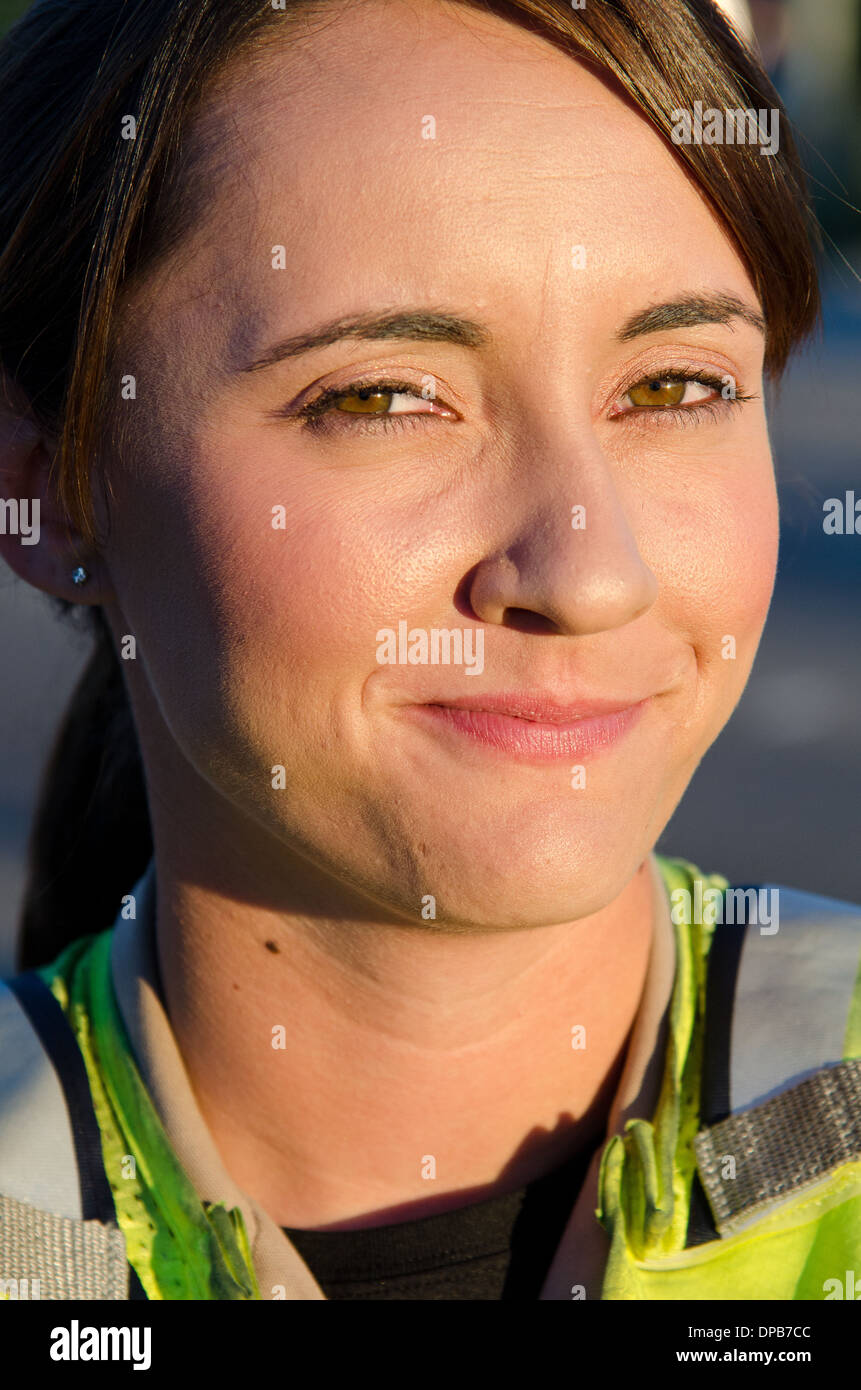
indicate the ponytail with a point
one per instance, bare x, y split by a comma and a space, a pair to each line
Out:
91, 837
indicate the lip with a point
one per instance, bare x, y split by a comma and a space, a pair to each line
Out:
538, 707
534, 727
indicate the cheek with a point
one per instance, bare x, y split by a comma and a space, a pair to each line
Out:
739, 551
284, 582
717, 559
323, 557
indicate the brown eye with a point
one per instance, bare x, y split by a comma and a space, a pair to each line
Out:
658, 392
364, 402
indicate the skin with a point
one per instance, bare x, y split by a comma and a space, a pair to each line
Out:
256, 646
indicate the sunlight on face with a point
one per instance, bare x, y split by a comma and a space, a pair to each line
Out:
524, 460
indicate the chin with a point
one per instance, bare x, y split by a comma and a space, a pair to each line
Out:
507, 885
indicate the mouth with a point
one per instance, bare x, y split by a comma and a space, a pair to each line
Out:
533, 728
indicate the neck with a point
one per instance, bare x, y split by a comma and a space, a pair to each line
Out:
356, 1072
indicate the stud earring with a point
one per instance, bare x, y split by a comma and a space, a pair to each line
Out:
80, 575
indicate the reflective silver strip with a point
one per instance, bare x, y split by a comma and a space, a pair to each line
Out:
38, 1163
793, 993
763, 1156
52, 1257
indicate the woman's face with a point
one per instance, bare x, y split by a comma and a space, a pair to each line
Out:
609, 549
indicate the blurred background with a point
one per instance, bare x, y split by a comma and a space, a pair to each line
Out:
778, 797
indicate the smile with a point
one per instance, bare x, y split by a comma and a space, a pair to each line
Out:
543, 736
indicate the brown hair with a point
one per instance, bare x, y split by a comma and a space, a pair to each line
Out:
83, 211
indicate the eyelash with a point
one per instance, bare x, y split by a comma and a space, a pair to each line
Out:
314, 412
313, 415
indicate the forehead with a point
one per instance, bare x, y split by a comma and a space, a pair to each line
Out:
403, 147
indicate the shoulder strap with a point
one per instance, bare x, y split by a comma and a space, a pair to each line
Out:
780, 994
57, 1217
779, 1092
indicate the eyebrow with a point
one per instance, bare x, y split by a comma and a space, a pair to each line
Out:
416, 324
689, 311
420, 325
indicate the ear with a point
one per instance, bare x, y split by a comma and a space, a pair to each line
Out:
37, 540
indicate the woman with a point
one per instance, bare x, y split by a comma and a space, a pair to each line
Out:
409, 453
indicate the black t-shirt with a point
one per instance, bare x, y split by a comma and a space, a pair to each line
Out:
499, 1248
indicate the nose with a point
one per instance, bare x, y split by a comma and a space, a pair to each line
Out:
570, 563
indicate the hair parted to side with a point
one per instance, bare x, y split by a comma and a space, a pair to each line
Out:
85, 211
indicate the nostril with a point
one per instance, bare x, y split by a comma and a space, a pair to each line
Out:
524, 620
462, 600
